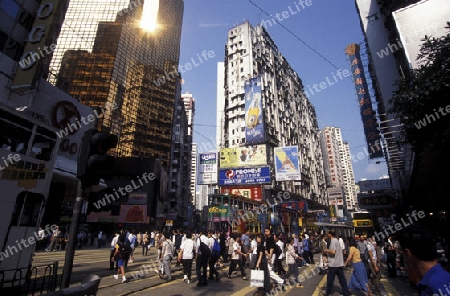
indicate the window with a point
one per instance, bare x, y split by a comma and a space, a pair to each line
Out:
27, 209
10, 7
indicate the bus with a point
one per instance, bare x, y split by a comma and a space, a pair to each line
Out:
362, 223
28, 150
232, 213
235, 214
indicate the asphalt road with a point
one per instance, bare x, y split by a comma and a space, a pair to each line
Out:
93, 260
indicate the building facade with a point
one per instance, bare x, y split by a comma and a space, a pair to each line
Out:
264, 103
180, 165
393, 33
349, 178
114, 60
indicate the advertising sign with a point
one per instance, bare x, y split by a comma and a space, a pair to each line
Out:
371, 185
376, 201
365, 104
133, 214
242, 176
41, 42
207, 168
250, 192
137, 198
254, 122
286, 163
296, 205
243, 156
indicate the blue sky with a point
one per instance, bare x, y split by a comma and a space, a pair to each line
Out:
326, 26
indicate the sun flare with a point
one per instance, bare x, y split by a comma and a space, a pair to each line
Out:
150, 15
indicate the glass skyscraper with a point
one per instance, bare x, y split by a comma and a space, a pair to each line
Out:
105, 57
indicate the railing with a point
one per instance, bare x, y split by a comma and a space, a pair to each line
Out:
39, 279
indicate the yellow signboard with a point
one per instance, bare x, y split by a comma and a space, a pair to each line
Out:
243, 156
41, 42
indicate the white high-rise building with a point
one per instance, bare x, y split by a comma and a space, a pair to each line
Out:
189, 106
349, 178
257, 78
220, 115
194, 172
338, 168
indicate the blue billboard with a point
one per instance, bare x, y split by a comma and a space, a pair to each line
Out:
260, 175
254, 117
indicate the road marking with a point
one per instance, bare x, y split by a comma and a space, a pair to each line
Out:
319, 287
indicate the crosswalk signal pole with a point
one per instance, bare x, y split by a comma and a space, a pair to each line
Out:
71, 244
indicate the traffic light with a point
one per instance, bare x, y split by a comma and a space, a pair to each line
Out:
93, 160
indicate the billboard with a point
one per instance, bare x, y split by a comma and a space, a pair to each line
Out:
286, 163
250, 192
259, 175
243, 156
137, 198
207, 168
369, 120
371, 185
376, 201
133, 214
254, 117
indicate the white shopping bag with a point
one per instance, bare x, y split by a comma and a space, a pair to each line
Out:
257, 278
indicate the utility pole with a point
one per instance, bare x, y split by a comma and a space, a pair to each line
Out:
70, 253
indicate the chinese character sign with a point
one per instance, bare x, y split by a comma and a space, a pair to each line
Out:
365, 104
207, 168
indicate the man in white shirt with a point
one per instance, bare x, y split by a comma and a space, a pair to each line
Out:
186, 256
201, 260
113, 249
253, 252
335, 265
373, 266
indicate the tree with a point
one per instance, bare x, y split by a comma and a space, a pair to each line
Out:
422, 97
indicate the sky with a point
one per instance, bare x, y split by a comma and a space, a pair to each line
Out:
326, 27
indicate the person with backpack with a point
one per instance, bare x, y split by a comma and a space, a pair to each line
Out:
306, 251
121, 255
215, 254
203, 253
